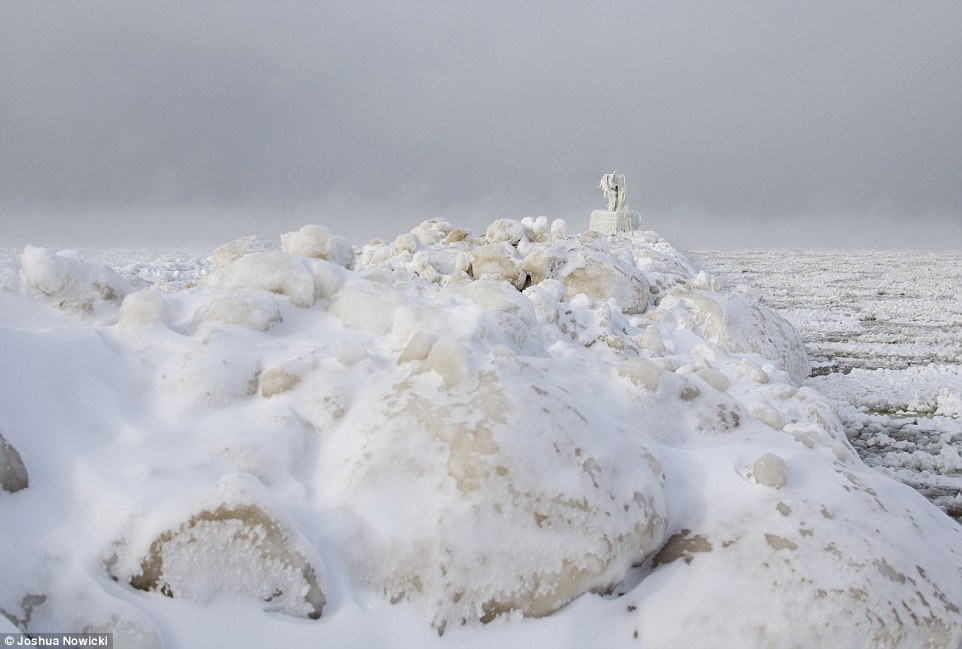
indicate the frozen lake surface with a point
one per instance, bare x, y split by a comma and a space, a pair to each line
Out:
883, 330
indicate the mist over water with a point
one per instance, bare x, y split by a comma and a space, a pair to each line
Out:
748, 124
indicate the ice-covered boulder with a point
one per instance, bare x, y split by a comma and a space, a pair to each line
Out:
44, 594
742, 325
434, 231
235, 547
794, 567
73, 285
230, 252
244, 308
13, 473
142, 310
513, 314
317, 242
505, 230
514, 498
587, 267
274, 271
499, 259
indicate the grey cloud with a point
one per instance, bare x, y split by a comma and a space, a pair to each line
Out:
255, 113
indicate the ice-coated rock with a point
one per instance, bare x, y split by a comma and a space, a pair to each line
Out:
13, 473
141, 310
45, 597
244, 308
595, 272
75, 286
276, 380
317, 242
230, 252
769, 470
511, 500
237, 548
505, 230
741, 325
514, 316
274, 271
499, 259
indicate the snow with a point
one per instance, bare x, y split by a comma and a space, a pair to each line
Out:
520, 438
884, 331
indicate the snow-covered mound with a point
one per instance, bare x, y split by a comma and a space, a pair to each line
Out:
442, 434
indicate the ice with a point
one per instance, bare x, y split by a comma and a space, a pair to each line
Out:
273, 270
515, 438
888, 355
317, 242
229, 252
769, 470
75, 286
498, 261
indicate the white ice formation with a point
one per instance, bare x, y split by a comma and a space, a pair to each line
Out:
617, 218
442, 431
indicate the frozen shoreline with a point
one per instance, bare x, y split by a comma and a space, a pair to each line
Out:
451, 440
884, 332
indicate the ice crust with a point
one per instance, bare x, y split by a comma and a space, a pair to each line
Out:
445, 434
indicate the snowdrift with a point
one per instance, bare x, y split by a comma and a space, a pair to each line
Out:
447, 439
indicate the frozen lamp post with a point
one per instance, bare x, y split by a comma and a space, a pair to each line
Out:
617, 218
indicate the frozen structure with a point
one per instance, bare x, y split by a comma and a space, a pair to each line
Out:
617, 218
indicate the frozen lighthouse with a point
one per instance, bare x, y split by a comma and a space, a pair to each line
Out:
617, 218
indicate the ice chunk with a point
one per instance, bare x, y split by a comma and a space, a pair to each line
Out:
432, 231
505, 230
741, 325
367, 305
273, 271
405, 243
276, 380
586, 267
247, 309
498, 260
317, 242
417, 349
142, 310
769, 470
513, 314
238, 549
448, 359
642, 372
511, 499
238, 248
44, 594
535, 229
328, 278
72, 284
559, 229
601, 275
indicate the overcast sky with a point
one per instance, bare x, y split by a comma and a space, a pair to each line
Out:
834, 124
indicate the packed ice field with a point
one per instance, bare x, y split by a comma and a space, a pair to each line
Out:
520, 437
883, 331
